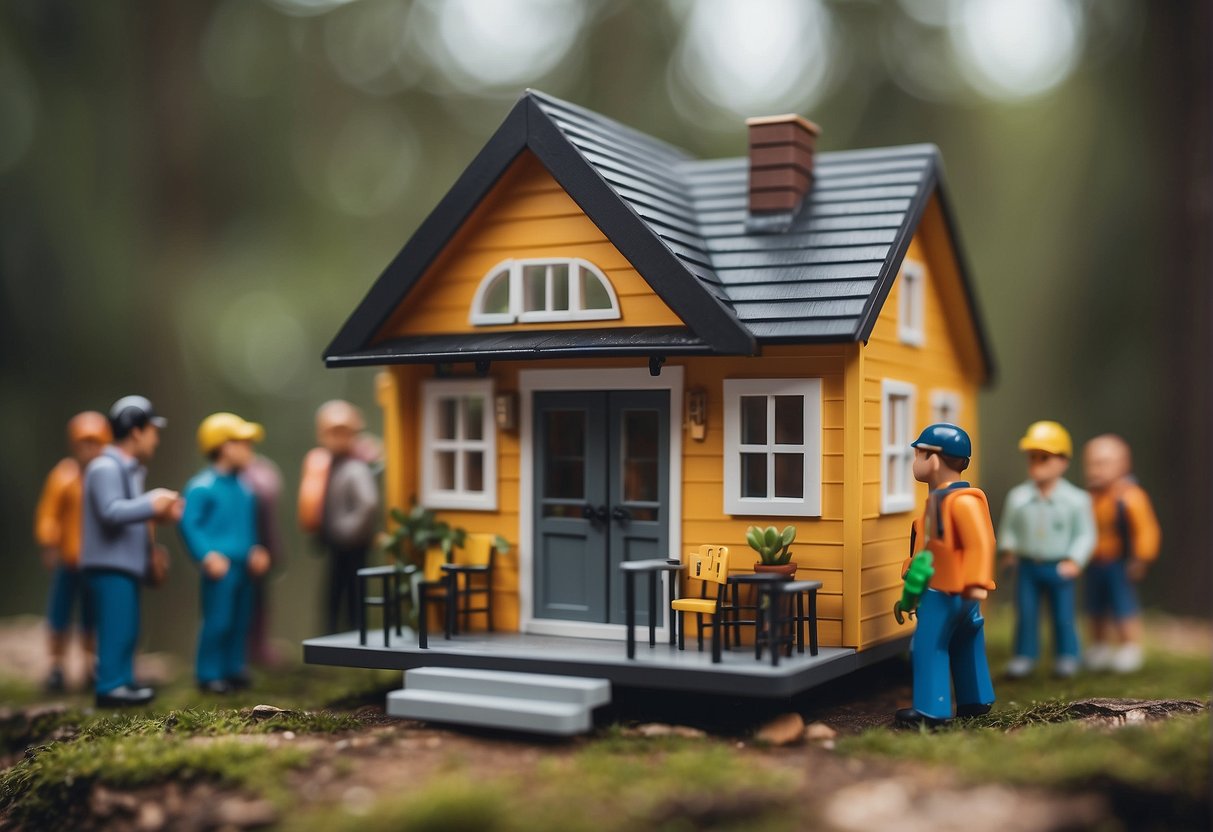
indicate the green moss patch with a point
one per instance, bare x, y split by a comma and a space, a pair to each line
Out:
701, 785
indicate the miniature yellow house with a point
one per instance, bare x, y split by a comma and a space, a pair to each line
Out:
603, 349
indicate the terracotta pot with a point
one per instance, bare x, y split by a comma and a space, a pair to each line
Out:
788, 570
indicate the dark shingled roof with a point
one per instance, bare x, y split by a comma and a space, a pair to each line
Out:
682, 223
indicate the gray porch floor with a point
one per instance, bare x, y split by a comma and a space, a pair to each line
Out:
661, 667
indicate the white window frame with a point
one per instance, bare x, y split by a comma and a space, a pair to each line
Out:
943, 399
433, 391
911, 311
809, 504
896, 444
515, 314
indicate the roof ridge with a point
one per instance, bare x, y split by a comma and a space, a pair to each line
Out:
546, 98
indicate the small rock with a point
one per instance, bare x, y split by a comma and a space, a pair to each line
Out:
660, 729
151, 817
267, 711
288, 735
784, 729
244, 814
819, 732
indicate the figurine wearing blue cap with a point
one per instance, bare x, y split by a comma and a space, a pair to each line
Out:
117, 548
956, 561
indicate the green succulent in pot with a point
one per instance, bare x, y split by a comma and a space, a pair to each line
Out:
771, 544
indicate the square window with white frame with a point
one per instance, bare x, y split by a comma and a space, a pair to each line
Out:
772, 447
911, 312
945, 406
458, 444
897, 408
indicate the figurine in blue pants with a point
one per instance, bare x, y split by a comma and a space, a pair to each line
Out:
949, 648
1047, 532
220, 530
116, 551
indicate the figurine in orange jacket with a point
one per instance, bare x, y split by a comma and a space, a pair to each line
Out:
1128, 541
57, 531
949, 646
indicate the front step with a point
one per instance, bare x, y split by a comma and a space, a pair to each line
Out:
534, 702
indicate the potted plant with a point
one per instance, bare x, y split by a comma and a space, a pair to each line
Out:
772, 548
420, 543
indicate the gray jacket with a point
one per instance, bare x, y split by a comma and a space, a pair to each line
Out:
114, 533
350, 505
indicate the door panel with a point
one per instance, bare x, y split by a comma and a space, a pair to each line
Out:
639, 451
601, 462
570, 547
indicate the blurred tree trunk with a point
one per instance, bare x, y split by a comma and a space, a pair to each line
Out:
1182, 93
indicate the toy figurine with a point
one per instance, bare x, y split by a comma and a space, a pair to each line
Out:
949, 648
338, 498
117, 549
1047, 532
265, 479
220, 530
1128, 540
57, 531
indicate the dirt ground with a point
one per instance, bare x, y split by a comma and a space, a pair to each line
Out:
353, 771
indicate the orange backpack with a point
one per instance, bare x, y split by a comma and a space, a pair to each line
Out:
313, 486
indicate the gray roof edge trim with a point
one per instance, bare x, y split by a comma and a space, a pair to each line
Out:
932, 184
897, 252
705, 313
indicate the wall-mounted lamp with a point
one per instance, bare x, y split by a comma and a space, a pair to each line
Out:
697, 413
505, 411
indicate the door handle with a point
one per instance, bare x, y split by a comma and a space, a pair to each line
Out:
594, 515
621, 515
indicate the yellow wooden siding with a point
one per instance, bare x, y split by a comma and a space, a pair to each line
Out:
526, 214
946, 360
818, 550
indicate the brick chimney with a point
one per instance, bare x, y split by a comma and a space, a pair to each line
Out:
781, 164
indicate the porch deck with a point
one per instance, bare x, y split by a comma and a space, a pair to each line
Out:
661, 667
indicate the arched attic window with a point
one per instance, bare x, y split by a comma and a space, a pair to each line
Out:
540, 290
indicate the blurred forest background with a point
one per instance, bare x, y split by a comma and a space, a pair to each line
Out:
193, 196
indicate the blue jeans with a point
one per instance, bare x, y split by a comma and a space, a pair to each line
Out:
1110, 592
115, 600
949, 649
1033, 580
66, 586
227, 610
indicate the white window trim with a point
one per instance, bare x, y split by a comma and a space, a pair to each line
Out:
516, 314
944, 399
911, 312
433, 390
809, 505
892, 502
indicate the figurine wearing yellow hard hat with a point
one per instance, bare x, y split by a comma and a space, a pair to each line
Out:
1047, 533
220, 531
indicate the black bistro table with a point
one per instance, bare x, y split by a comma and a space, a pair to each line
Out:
768, 628
652, 568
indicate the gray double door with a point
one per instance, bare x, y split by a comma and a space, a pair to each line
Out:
602, 484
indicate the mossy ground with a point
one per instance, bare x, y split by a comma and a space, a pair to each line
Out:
406, 776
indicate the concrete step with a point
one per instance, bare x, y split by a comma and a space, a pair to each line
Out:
512, 713
577, 690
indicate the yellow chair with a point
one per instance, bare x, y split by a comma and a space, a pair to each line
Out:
710, 566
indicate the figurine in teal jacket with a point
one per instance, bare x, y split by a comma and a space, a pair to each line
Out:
220, 530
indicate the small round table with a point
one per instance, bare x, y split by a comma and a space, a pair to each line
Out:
652, 568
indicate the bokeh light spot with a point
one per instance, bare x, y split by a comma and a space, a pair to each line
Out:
754, 58
260, 343
505, 43
1020, 49
371, 161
